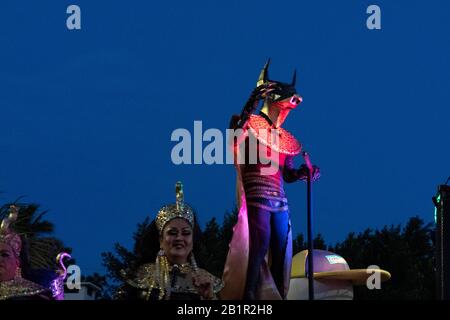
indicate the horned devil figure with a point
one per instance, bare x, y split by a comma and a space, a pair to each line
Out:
258, 264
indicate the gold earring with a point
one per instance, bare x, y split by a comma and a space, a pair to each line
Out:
162, 274
18, 273
194, 263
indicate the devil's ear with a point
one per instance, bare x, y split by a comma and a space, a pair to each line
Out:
264, 75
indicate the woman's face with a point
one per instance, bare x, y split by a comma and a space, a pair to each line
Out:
8, 263
176, 240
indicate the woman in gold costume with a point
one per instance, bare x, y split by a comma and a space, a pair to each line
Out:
173, 273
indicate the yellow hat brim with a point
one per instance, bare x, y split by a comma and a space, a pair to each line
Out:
356, 276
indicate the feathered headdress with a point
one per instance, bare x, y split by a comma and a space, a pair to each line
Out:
9, 237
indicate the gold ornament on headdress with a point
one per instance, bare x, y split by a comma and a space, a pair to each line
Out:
7, 236
176, 210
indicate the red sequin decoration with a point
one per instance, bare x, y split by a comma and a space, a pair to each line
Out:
261, 129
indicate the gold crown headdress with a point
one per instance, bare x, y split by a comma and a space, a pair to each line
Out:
8, 236
175, 210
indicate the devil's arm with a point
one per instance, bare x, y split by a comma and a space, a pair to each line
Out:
292, 174
251, 105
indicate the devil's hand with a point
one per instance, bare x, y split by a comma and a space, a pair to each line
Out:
259, 93
303, 173
262, 91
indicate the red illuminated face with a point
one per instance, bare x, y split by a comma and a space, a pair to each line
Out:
8, 263
279, 110
289, 103
177, 240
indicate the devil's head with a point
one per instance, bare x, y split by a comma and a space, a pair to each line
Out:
280, 101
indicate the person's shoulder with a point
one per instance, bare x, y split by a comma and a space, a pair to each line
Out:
146, 269
144, 275
23, 289
40, 296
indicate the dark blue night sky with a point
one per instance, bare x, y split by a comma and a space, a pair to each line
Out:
87, 115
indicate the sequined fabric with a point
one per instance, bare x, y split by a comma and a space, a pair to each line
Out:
265, 192
146, 280
18, 288
261, 129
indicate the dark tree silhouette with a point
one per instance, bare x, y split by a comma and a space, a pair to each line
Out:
407, 253
101, 282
